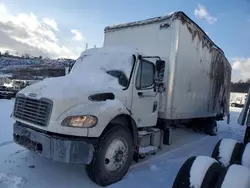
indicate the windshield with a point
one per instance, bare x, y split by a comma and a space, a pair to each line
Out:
99, 66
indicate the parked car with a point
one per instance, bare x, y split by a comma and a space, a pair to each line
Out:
6, 93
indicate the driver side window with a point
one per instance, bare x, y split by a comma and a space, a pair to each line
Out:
145, 75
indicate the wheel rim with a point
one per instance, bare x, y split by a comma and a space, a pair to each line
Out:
116, 155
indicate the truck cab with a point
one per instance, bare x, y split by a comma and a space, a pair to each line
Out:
93, 114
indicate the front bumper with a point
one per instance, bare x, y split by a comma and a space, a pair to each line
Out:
68, 150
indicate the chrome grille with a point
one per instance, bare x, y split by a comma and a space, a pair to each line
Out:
33, 110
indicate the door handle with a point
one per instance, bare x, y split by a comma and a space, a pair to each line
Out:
155, 106
140, 94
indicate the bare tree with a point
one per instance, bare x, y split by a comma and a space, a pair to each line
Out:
26, 55
6, 53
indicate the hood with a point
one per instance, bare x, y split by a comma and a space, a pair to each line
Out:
68, 87
68, 91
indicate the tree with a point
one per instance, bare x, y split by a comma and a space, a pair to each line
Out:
26, 55
241, 86
40, 57
7, 53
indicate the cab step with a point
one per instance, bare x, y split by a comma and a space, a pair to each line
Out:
149, 150
150, 141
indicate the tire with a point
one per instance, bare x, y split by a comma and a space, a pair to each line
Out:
211, 128
233, 105
103, 170
235, 176
247, 135
245, 160
198, 172
227, 152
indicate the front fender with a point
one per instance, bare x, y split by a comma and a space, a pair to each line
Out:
105, 111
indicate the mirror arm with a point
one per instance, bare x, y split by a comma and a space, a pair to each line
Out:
148, 57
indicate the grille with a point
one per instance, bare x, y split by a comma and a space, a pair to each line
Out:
33, 110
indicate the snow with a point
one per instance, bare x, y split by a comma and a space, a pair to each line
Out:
225, 151
142, 133
246, 156
153, 167
144, 150
99, 60
158, 170
237, 177
10, 181
199, 169
142, 22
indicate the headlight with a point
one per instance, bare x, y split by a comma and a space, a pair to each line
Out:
84, 121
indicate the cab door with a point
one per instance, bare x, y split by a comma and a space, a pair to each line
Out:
145, 101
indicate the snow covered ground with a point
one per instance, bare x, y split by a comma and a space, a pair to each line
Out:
20, 168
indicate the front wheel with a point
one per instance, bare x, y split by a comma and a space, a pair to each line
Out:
112, 157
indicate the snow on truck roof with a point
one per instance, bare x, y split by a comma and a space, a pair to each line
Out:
94, 63
176, 15
111, 50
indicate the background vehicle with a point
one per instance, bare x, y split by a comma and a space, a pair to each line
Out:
5, 93
119, 103
237, 99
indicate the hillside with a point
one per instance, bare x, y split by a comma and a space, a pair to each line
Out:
28, 68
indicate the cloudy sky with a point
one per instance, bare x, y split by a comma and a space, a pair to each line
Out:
61, 28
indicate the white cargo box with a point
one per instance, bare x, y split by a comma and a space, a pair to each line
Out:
197, 74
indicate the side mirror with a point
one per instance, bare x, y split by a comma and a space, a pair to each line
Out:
160, 64
123, 80
160, 68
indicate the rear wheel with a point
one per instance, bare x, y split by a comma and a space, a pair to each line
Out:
233, 105
211, 128
112, 157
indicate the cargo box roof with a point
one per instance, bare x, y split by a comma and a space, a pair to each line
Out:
176, 15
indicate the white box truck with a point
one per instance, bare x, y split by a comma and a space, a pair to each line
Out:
120, 101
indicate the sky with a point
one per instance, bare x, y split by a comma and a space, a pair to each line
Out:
62, 28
